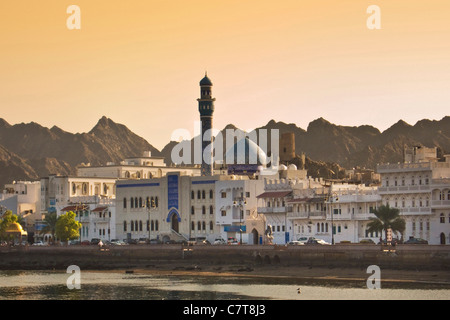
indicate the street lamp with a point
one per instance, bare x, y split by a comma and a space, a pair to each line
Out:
330, 198
240, 203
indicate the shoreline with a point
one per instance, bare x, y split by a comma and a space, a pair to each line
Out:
294, 274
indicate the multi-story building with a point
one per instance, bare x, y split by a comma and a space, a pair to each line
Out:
420, 189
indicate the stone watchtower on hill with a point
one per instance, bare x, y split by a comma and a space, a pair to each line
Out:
206, 109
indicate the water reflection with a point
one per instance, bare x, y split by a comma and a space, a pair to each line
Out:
33, 285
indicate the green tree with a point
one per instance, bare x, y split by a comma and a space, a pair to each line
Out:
385, 218
67, 228
50, 224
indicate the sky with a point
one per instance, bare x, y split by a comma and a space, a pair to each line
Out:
140, 63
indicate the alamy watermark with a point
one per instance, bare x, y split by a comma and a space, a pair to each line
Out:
374, 280
254, 151
74, 280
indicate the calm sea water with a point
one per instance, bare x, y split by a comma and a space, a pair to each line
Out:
44, 285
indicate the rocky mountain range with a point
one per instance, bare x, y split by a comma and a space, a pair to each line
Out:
30, 151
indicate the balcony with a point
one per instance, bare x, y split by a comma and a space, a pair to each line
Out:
274, 209
404, 189
415, 211
440, 204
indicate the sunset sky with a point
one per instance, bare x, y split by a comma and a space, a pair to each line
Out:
140, 63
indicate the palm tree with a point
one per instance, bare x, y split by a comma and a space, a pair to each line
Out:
385, 218
50, 224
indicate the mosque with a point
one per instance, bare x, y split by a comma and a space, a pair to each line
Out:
221, 203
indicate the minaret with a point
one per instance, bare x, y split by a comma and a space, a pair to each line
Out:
206, 109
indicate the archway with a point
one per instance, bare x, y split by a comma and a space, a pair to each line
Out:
255, 236
442, 238
174, 222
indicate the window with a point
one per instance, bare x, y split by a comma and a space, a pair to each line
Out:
203, 194
152, 225
223, 195
156, 202
211, 210
192, 195
131, 225
136, 225
203, 225
211, 226
140, 225
131, 203
192, 210
199, 225
124, 203
148, 225
199, 195
247, 194
136, 202
140, 202
211, 194
156, 225
192, 225
442, 218
223, 213
124, 226
203, 210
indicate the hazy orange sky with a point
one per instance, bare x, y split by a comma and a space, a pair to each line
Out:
140, 62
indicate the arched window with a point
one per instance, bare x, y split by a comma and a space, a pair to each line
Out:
124, 203
148, 225
199, 225
127, 174
203, 210
211, 226
156, 202
192, 225
318, 227
192, 195
199, 195
203, 194
131, 203
322, 227
136, 202
203, 225
147, 202
442, 218
140, 202
211, 210
124, 226
140, 225
131, 225
156, 225
192, 210
153, 225
136, 225
211, 194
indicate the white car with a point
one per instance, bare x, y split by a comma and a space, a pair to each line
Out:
39, 243
296, 243
219, 242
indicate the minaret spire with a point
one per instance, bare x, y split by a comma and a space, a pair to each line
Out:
206, 109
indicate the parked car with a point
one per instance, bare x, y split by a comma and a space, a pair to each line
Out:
191, 241
296, 243
117, 242
367, 241
85, 243
315, 241
39, 243
143, 241
302, 239
232, 241
219, 241
416, 241
95, 241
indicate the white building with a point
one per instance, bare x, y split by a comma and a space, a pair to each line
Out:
144, 167
420, 189
85, 196
23, 199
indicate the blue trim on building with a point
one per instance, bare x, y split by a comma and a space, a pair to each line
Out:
173, 210
203, 182
154, 184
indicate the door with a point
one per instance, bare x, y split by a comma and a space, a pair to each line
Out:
174, 221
